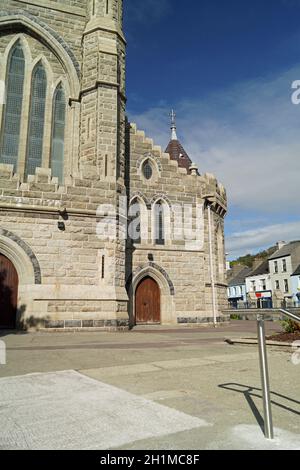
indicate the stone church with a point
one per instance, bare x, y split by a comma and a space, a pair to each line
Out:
99, 227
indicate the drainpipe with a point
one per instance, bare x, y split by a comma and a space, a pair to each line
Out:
212, 277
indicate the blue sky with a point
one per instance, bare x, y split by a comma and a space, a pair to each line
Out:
227, 68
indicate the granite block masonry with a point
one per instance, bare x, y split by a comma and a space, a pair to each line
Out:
66, 150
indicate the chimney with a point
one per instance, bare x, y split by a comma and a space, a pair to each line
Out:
257, 262
236, 268
280, 245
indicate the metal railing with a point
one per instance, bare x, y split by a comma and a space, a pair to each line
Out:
265, 304
264, 372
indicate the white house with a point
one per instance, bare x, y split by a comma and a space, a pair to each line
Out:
282, 266
259, 285
295, 283
236, 278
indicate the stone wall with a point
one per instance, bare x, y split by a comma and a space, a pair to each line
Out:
82, 275
51, 229
186, 266
59, 225
66, 19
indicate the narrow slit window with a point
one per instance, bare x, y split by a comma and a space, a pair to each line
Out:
103, 267
58, 134
106, 165
137, 224
138, 230
159, 224
36, 120
11, 124
88, 128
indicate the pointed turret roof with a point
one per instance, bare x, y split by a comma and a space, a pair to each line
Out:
175, 149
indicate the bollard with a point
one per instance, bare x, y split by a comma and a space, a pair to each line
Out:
2, 353
263, 360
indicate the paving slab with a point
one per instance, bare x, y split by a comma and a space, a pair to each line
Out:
66, 410
192, 371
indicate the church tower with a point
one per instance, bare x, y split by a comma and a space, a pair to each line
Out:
64, 166
102, 130
70, 165
103, 92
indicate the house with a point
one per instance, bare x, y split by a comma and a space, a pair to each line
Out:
236, 291
282, 267
295, 283
259, 286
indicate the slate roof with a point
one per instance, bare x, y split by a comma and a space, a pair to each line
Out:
297, 272
177, 152
286, 250
240, 277
263, 268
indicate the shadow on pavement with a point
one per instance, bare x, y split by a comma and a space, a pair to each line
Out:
250, 392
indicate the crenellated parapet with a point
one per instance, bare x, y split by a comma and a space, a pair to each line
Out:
41, 192
215, 194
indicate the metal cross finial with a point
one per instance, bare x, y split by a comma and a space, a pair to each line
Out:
173, 117
173, 125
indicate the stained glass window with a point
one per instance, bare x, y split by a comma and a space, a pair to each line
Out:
58, 134
36, 120
11, 124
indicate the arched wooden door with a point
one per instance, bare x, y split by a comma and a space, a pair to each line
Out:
8, 293
147, 302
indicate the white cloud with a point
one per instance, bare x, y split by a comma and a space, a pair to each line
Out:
250, 241
248, 136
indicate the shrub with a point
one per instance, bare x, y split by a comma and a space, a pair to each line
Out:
290, 326
235, 316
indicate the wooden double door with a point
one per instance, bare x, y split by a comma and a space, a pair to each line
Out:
147, 302
8, 293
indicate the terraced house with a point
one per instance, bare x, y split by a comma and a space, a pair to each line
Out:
75, 176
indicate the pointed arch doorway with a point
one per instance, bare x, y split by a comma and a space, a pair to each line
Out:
147, 302
9, 283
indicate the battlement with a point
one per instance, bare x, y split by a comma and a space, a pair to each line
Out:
75, 7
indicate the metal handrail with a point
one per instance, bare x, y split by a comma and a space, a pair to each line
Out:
264, 372
291, 315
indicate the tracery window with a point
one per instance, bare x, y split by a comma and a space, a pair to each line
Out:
28, 137
35, 137
58, 133
159, 223
11, 123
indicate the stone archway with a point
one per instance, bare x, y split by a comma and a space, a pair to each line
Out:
27, 267
9, 284
167, 292
147, 302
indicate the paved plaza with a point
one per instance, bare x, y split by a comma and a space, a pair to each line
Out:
145, 389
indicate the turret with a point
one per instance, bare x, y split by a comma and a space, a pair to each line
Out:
103, 92
105, 13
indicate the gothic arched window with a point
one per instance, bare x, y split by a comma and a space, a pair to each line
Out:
58, 133
159, 223
11, 125
36, 120
135, 214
